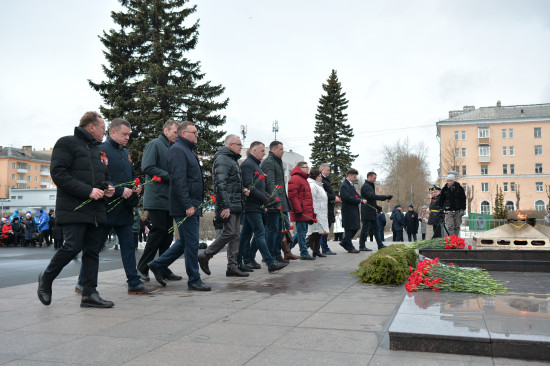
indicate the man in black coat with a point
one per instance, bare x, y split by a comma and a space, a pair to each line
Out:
350, 210
453, 200
229, 192
120, 210
186, 195
155, 199
368, 212
411, 223
332, 199
80, 173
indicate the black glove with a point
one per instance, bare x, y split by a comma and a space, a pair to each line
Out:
389, 197
311, 222
298, 214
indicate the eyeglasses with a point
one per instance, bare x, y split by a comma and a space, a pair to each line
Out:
305, 167
236, 144
196, 133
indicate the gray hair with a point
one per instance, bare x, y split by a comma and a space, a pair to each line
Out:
324, 165
229, 139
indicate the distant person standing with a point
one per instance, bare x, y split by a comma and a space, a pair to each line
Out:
369, 210
44, 228
79, 173
423, 221
381, 221
332, 200
435, 218
301, 202
338, 229
411, 223
453, 200
351, 218
398, 223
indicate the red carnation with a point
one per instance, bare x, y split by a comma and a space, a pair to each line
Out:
256, 173
469, 247
261, 177
356, 196
213, 198
137, 182
291, 227
315, 220
156, 179
280, 208
277, 199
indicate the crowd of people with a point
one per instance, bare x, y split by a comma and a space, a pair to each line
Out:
38, 230
254, 209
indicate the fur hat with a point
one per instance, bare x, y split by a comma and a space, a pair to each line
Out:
451, 177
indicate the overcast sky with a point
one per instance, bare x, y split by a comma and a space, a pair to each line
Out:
403, 64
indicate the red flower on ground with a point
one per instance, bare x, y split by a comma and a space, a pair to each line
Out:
469, 247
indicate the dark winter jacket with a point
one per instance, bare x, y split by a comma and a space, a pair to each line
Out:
368, 211
30, 228
398, 220
17, 228
122, 170
452, 198
186, 180
272, 167
411, 222
258, 195
153, 162
381, 219
434, 214
331, 195
299, 195
76, 168
228, 184
351, 219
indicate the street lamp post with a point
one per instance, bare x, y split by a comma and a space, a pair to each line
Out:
275, 128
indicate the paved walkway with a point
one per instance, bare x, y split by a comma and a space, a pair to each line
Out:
310, 313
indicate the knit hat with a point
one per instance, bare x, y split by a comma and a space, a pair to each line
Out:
411, 206
451, 177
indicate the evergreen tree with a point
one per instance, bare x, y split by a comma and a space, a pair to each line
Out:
332, 132
150, 80
500, 211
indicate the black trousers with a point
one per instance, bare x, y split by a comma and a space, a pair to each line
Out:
369, 226
159, 239
78, 237
45, 236
348, 237
398, 235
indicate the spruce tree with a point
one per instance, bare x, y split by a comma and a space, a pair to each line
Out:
499, 211
332, 132
150, 79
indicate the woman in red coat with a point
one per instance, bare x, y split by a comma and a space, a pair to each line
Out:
301, 203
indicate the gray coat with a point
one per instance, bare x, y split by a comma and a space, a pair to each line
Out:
272, 167
153, 162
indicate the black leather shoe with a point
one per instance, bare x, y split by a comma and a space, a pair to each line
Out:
44, 292
254, 265
198, 286
365, 249
276, 266
382, 246
245, 268
319, 254
95, 301
173, 277
203, 263
307, 258
353, 251
330, 252
158, 276
141, 289
235, 272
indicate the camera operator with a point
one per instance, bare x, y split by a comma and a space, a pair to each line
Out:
453, 200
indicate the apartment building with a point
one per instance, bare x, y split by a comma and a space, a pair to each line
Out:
24, 168
501, 146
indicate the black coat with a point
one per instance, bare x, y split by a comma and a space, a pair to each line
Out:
368, 211
186, 180
228, 185
452, 198
258, 195
331, 197
30, 228
153, 162
272, 167
411, 222
381, 219
350, 206
122, 171
398, 220
434, 214
76, 168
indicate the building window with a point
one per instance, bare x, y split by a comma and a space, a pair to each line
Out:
483, 132
52, 196
463, 152
538, 168
512, 187
538, 149
503, 133
538, 133
511, 133
484, 151
505, 187
484, 187
13, 197
504, 151
36, 179
539, 205
484, 169
485, 208
13, 176
511, 151
21, 176
457, 152
464, 170
43, 180
504, 168
463, 135
28, 178
539, 187
36, 168
509, 206
512, 168
19, 197
456, 135
13, 165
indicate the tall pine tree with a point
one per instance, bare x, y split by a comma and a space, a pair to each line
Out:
150, 79
332, 132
